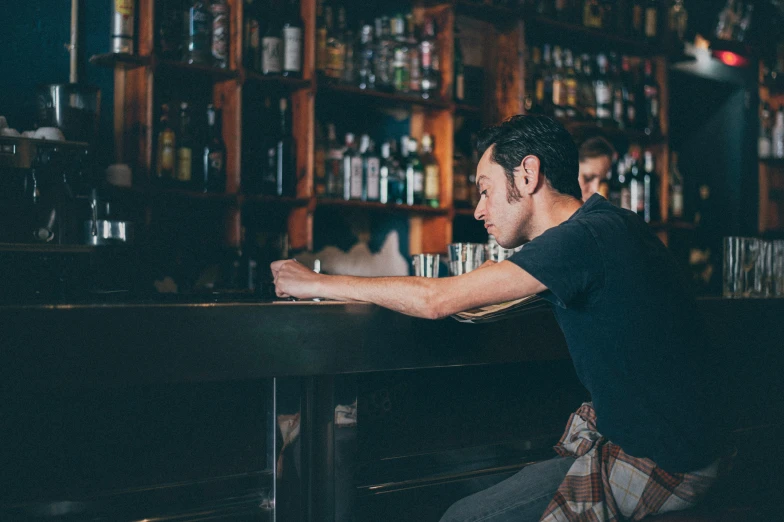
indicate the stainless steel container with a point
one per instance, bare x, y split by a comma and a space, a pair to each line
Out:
107, 232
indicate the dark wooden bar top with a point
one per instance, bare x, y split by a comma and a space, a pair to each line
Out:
144, 342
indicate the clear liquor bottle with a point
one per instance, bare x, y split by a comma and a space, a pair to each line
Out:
198, 23
220, 33
291, 33
370, 170
428, 51
365, 73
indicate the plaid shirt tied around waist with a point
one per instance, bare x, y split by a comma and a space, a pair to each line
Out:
604, 484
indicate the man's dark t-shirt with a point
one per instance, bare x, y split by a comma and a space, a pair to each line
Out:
633, 332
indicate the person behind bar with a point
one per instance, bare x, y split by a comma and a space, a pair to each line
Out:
596, 157
647, 443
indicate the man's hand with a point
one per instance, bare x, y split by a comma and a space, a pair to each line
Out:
293, 279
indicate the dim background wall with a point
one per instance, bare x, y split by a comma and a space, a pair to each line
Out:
34, 35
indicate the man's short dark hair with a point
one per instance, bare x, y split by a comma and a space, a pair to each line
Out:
596, 147
540, 136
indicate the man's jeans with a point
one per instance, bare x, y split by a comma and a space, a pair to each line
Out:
520, 498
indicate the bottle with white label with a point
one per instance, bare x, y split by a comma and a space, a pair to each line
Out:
292, 41
778, 134
370, 170
432, 172
415, 175
272, 47
347, 169
385, 169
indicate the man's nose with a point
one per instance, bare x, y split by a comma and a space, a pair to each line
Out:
479, 211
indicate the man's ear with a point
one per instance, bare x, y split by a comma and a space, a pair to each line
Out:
530, 175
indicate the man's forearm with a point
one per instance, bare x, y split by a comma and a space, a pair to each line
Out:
417, 296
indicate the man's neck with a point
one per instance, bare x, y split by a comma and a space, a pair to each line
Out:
554, 209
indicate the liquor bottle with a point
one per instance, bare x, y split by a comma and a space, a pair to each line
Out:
676, 188
401, 77
460, 188
618, 107
629, 94
213, 178
638, 19
432, 172
570, 85
415, 175
385, 172
185, 146
349, 70
165, 161
334, 163
220, 33
285, 167
592, 14
397, 173
559, 90
170, 29
269, 172
198, 22
636, 185
651, 98
370, 170
292, 41
726, 24
764, 141
678, 19
743, 26
384, 55
321, 35
534, 85
335, 46
651, 20
547, 80
587, 87
414, 56
604, 109
123, 19
650, 193
614, 184
319, 162
251, 36
272, 46
365, 73
352, 170
459, 81
625, 184
428, 51
778, 134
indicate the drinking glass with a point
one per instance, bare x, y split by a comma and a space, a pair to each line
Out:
749, 253
778, 267
732, 274
763, 270
465, 257
426, 265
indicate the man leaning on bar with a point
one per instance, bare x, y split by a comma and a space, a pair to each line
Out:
648, 441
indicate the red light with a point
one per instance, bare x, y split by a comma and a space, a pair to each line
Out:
731, 59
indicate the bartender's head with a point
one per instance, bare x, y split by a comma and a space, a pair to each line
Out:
527, 163
596, 157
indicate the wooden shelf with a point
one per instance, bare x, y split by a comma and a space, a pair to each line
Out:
368, 96
381, 207
272, 201
468, 109
215, 73
542, 28
463, 211
276, 82
46, 248
611, 131
776, 163
500, 16
123, 60
672, 225
191, 195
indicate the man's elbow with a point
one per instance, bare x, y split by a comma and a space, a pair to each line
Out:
436, 305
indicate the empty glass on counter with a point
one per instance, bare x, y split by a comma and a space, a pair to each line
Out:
465, 257
426, 265
497, 253
753, 267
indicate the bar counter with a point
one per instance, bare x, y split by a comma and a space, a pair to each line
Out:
153, 410
202, 341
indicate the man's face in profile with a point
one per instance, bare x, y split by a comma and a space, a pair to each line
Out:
592, 172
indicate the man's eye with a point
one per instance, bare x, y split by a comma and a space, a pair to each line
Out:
483, 193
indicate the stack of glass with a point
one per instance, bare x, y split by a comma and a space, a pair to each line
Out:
753, 267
